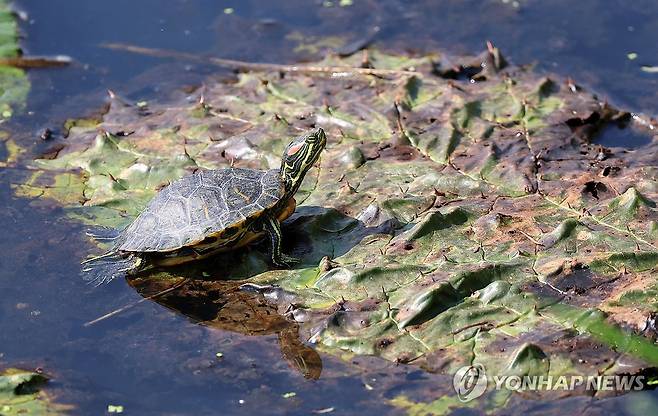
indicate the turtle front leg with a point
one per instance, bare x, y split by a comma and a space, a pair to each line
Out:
273, 229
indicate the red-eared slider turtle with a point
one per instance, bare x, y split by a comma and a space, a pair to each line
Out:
209, 212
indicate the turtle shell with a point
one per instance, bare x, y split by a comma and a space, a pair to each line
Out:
212, 203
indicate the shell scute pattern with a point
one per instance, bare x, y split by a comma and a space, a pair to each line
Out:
202, 205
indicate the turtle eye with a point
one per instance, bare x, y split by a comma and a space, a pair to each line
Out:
294, 149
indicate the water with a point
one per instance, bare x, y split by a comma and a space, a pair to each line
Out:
153, 359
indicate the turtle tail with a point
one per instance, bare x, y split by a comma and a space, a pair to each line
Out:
107, 267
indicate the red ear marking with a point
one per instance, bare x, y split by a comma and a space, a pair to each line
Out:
294, 149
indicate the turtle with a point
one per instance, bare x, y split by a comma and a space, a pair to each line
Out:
208, 212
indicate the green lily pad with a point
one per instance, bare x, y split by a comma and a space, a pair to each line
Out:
14, 84
20, 395
451, 221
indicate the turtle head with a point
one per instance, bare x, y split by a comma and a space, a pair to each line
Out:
298, 158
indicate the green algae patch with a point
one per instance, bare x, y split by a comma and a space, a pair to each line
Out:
460, 214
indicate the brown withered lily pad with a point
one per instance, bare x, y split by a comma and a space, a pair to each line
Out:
462, 211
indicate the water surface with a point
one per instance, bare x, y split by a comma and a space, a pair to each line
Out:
153, 359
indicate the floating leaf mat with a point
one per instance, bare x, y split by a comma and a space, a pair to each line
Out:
461, 213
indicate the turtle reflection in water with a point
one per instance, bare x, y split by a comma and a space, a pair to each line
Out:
224, 305
210, 212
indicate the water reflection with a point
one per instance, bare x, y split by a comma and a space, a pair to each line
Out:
223, 305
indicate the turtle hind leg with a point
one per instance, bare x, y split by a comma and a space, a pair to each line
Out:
109, 266
103, 234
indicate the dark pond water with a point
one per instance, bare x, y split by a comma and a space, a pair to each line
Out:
153, 359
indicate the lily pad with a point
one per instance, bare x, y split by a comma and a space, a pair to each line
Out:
14, 84
20, 395
461, 213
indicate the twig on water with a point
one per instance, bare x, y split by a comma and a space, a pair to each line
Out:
255, 66
132, 305
36, 61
